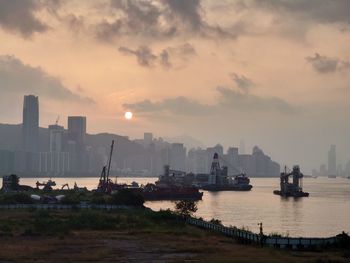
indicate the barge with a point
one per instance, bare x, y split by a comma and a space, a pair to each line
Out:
293, 189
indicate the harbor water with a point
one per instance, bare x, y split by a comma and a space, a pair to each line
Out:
325, 213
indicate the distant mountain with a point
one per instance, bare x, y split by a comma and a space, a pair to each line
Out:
187, 140
123, 149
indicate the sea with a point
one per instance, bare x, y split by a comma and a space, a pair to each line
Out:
326, 212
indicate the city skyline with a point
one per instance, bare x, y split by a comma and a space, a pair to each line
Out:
64, 152
68, 153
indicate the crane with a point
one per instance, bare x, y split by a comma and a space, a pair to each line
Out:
105, 184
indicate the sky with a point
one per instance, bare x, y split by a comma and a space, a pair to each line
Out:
274, 73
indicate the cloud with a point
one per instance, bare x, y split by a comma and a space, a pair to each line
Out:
164, 59
325, 11
324, 64
242, 82
229, 100
187, 11
147, 58
19, 16
178, 106
183, 51
246, 102
159, 19
19, 78
144, 55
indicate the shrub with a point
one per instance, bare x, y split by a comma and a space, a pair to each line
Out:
98, 198
70, 199
163, 215
18, 198
185, 208
216, 222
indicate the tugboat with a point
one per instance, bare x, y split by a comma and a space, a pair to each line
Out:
241, 181
220, 181
167, 188
293, 189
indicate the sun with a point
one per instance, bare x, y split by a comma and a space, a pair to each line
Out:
128, 115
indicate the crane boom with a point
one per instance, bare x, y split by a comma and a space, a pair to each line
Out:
110, 159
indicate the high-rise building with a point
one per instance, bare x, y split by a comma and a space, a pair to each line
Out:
323, 170
7, 161
178, 157
332, 161
147, 138
200, 162
230, 160
30, 127
56, 133
77, 129
347, 168
76, 144
242, 147
56, 161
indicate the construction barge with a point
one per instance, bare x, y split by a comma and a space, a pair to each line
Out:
166, 188
293, 189
219, 180
170, 187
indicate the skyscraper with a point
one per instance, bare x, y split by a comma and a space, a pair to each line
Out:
77, 129
332, 161
56, 138
178, 157
147, 138
30, 127
76, 144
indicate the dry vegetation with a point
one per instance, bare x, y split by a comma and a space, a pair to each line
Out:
128, 236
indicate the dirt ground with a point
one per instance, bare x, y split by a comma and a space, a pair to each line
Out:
117, 246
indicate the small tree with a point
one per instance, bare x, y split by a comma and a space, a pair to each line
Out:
186, 208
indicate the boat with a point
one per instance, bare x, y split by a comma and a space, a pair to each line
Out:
332, 176
293, 189
153, 192
171, 186
310, 176
218, 179
240, 183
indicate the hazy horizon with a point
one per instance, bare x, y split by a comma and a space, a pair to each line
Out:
272, 73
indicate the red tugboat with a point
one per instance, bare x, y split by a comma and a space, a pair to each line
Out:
166, 188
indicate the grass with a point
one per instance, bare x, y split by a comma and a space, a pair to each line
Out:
72, 197
137, 235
